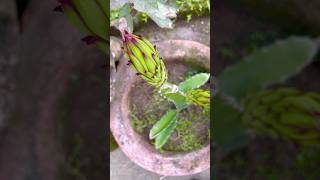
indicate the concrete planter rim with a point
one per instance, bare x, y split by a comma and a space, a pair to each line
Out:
132, 144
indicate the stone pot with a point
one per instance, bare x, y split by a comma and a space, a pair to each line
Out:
132, 144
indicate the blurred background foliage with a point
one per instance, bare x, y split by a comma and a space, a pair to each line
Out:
266, 112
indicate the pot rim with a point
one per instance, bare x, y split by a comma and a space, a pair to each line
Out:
131, 143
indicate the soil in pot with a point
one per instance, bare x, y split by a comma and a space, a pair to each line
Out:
147, 107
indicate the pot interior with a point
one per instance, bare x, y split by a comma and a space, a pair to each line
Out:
146, 107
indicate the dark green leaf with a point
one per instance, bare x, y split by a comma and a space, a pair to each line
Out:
163, 123
73, 18
104, 4
164, 135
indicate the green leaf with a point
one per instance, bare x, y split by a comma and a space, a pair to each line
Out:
267, 66
116, 4
158, 11
104, 4
125, 12
163, 137
93, 17
74, 20
163, 123
228, 130
178, 99
145, 5
162, 17
194, 82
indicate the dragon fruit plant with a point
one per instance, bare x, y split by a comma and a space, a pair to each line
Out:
91, 17
143, 58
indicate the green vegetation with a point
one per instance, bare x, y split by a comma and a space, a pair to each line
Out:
187, 135
185, 8
188, 8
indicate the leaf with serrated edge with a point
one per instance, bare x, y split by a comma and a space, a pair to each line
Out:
164, 135
267, 66
194, 82
163, 123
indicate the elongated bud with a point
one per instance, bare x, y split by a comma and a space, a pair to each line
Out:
199, 97
89, 17
144, 59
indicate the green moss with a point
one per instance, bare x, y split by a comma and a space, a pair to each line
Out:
149, 117
188, 136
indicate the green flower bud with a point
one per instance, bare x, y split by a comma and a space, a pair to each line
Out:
199, 97
143, 58
285, 113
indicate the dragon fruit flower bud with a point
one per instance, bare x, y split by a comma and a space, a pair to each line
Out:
143, 58
199, 97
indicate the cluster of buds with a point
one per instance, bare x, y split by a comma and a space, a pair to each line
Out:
199, 97
285, 113
89, 17
143, 58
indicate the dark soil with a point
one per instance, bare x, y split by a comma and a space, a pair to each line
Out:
147, 107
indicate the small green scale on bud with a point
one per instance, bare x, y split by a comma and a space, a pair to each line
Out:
143, 58
199, 97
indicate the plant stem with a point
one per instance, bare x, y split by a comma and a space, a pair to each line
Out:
168, 88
